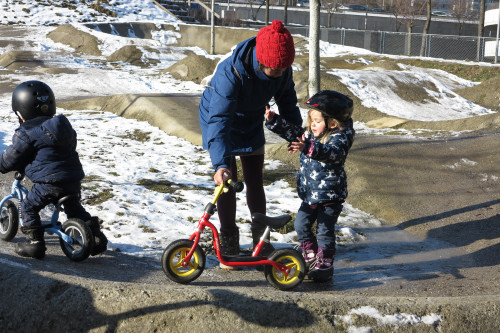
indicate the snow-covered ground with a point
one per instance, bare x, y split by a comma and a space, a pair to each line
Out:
116, 157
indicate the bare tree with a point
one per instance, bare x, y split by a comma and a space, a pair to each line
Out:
331, 6
267, 12
396, 18
426, 27
252, 12
314, 73
480, 28
408, 11
459, 9
285, 13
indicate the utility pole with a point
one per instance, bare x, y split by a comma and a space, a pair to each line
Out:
498, 31
314, 73
212, 30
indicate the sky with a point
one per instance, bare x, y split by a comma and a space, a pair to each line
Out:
141, 222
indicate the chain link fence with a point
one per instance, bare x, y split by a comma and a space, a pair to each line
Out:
404, 44
447, 38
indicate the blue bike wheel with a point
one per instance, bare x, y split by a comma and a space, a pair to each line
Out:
9, 221
82, 240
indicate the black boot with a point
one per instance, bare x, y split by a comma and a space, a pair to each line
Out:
100, 240
230, 245
35, 244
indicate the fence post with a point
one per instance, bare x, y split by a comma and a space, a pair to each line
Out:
481, 49
428, 47
367, 40
382, 42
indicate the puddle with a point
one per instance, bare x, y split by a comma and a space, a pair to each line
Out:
386, 253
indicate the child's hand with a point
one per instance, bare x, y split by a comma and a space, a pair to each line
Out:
269, 113
297, 146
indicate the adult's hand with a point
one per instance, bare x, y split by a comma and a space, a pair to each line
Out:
222, 175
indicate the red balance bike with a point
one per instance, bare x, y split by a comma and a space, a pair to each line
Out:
183, 260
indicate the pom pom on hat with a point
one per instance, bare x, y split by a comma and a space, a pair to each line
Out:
275, 48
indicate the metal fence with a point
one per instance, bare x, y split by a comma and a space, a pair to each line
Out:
399, 43
447, 38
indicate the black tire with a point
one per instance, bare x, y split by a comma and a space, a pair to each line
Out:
9, 221
83, 240
292, 259
172, 258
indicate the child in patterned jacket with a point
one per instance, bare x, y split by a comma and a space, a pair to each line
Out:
321, 181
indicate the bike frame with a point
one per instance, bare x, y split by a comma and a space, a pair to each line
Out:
204, 222
19, 192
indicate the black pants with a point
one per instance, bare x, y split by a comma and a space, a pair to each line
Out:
253, 166
40, 195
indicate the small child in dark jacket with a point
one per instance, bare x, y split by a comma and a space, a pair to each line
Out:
44, 148
321, 180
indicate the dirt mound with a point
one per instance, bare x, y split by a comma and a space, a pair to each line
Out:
15, 60
79, 40
345, 62
383, 65
192, 68
56, 70
133, 55
485, 94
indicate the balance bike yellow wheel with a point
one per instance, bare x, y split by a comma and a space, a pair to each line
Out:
173, 256
291, 259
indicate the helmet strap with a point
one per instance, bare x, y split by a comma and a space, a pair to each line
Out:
326, 118
19, 117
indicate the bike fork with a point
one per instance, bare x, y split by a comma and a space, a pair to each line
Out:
195, 237
263, 239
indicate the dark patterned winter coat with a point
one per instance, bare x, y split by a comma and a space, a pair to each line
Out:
321, 177
45, 149
232, 107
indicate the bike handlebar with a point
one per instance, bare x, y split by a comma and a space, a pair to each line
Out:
237, 186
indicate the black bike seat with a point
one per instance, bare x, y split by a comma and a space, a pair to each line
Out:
275, 222
67, 198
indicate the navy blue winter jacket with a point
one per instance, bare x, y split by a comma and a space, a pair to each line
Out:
321, 177
232, 107
45, 149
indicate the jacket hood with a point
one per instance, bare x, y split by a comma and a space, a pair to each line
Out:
58, 131
242, 57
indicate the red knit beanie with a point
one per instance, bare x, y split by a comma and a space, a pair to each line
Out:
275, 47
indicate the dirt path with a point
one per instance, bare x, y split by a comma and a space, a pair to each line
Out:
449, 264
115, 292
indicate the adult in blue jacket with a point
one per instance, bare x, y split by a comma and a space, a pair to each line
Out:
231, 115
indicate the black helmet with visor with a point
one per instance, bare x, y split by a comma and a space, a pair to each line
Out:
33, 99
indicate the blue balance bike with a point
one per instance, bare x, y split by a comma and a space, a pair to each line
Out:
75, 237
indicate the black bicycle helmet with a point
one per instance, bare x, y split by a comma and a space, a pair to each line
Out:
332, 104
33, 99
